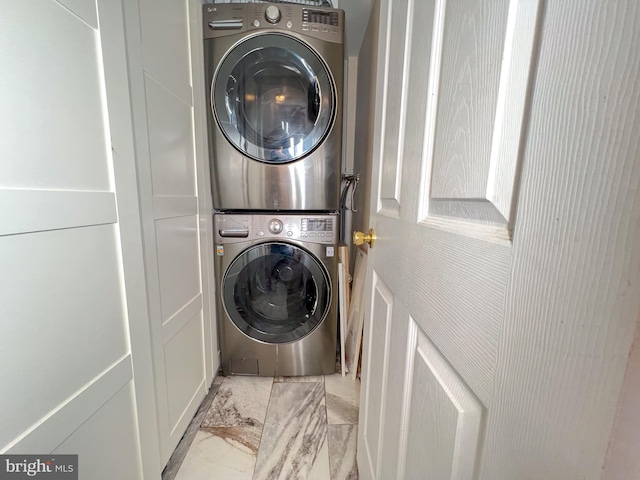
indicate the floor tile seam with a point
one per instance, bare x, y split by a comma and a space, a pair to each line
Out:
261, 424
214, 427
298, 410
210, 403
264, 423
297, 417
312, 461
255, 457
208, 430
322, 405
264, 419
326, 408
329, 452
329, 445
255, 462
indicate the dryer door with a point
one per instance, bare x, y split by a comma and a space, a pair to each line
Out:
273, 98
276, 292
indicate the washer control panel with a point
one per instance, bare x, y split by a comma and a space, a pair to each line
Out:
316, 228
272, 14
275, 226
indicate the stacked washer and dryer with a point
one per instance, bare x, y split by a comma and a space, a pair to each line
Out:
275, 75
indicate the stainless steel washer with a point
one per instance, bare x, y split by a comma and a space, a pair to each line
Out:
275, 81
276, 305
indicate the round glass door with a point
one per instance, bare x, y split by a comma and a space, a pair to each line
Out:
273, 98
276, 292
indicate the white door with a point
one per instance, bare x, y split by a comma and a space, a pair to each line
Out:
500, 311
168, 103
75, 376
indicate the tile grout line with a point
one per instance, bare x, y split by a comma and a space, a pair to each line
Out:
264, 421
326, 411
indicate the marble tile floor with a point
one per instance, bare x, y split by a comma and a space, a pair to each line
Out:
260, 428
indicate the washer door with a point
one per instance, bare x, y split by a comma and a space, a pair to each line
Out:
273, 98
276, 292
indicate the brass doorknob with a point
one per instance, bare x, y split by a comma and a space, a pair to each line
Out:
359, 238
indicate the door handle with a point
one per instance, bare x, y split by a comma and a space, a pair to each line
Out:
234, 233
359, 238
232, 24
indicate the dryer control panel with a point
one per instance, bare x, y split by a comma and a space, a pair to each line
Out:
316, 228
223, 19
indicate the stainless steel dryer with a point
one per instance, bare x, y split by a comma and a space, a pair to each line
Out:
277, 311
275, 81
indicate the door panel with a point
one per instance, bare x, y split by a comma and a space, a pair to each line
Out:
445, 417
164, 28
184, 371
170, 123
472, 46
73, 371
377, 362
394, 109
476, 110
397, 406
573, 304
84, 9
78, 157
177, 250
512, 334
167, 113
448, 268
424, 55
460, 297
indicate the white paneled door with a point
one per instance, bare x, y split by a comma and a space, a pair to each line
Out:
166, 66
504, 199
75, 374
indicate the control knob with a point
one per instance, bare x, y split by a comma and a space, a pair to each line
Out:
272, 14
275, 226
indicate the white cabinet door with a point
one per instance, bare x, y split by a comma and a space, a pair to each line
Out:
499, 314
75, 373
166, 67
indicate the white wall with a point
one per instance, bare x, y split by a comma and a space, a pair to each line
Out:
70, 243
357, 13
363, 133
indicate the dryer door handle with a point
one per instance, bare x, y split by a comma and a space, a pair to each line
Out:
232, 24
234, 233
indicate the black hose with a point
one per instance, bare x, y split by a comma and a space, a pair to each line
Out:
343, 209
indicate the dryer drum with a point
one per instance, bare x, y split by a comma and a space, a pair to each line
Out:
276, 292
277, 99
273, 98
